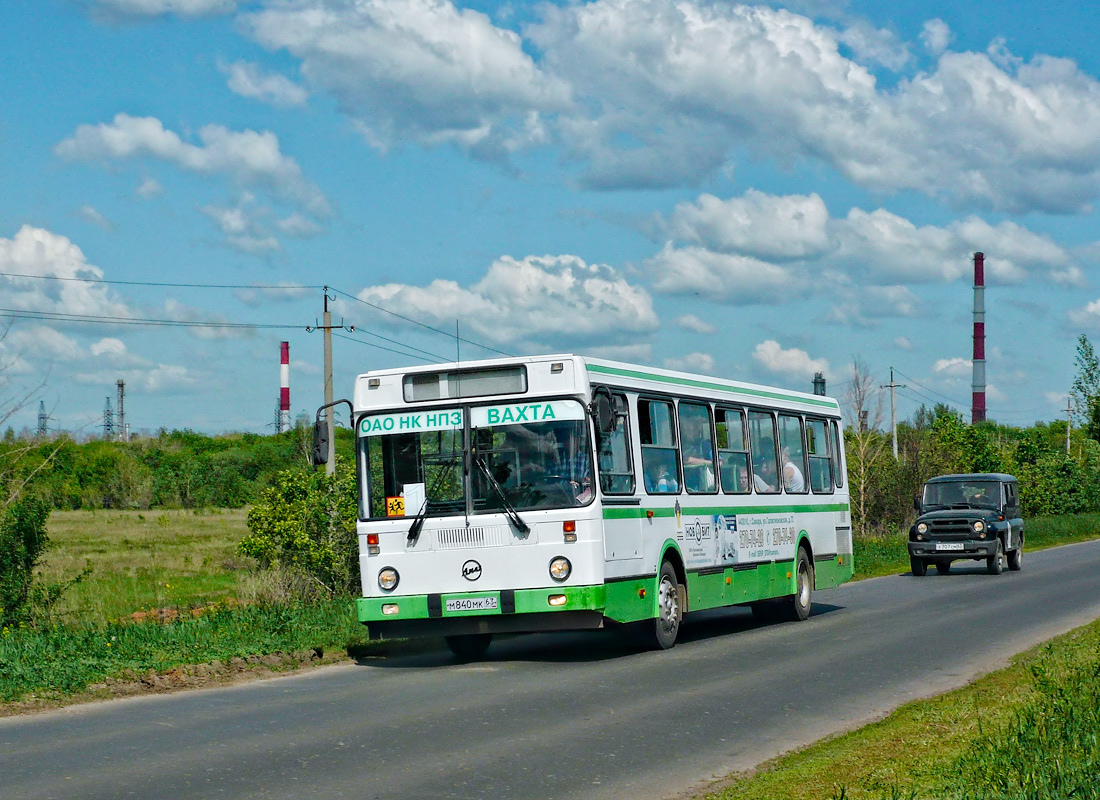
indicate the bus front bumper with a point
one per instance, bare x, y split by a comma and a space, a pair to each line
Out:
556, 608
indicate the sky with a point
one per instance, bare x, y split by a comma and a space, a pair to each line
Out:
758, 192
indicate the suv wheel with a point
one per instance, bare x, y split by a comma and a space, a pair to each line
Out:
995, 564
919, 566
1016, 557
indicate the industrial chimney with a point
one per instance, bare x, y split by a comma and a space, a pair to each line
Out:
284, 387
977, 409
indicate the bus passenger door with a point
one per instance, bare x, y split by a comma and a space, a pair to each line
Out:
622, 510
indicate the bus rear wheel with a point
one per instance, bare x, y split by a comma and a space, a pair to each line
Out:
469, 647
670, 609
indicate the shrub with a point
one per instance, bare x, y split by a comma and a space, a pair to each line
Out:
22, 541
306, 521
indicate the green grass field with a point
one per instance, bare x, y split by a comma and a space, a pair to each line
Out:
144, 561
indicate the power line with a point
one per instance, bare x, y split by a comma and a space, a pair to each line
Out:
277, 286
448, 334
389, 349
57, 316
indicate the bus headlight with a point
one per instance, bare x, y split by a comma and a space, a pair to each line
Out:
388, 578
560, 568
979, 526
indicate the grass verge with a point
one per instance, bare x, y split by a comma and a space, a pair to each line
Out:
51, 663
1030, 731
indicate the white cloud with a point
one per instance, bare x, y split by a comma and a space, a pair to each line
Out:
41, 342
794, 362
688, 84
936, 36
253, 159
89, 214
903, 343
1087, 317
759, 247
875, 45
160, 8
115, 353
249, 80
539, 302
299, 226
51, 262
953, 367
736, 279
243, 229
690, 322
865, 305
150, 188
421, 70
755, 224
693, 362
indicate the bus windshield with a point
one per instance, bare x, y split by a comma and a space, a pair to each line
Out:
531, 455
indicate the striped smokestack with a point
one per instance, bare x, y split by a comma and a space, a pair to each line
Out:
284, 387
977, 410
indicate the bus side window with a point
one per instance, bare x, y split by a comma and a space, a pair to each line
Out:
613, 453
821, 464
660, 456
838, 458
733, 450
697, 448
765, 457
792, 455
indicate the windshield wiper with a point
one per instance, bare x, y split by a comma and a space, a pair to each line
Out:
418, 522
509, 509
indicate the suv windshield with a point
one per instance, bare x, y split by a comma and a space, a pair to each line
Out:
525, 455
962, 494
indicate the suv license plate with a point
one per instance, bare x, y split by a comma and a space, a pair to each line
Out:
471, 603
949, 545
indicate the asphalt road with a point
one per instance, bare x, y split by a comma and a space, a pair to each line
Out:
561, 716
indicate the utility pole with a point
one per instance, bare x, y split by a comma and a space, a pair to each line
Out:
330, 423
1069, 421
893, 410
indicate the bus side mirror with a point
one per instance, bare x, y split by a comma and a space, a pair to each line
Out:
916, 502
320, 442
603, 412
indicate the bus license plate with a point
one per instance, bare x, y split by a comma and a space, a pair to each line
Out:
471, 603
949, 545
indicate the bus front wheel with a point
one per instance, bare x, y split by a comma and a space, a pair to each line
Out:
670, 610
469, 647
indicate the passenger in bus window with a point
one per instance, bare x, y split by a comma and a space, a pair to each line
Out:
764, 479
657, 479
792, 475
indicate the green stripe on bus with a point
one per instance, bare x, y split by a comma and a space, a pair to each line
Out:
639, 512
724, 387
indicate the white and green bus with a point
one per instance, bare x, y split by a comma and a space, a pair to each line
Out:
564, 493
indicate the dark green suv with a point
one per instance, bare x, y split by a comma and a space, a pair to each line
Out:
967, 516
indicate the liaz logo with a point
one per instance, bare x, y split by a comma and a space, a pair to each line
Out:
471, 570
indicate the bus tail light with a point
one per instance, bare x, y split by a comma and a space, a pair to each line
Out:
556, 599
389, 609
372, 544
569, 529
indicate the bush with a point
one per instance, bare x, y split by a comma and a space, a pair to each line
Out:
306, 521
23, 539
